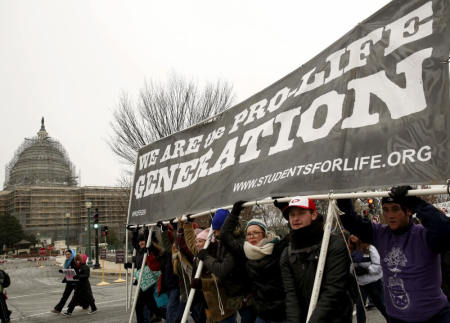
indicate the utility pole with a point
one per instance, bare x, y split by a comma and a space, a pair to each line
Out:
88, 205
97, 264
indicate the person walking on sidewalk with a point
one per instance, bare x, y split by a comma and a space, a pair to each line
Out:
83, 291
70, 285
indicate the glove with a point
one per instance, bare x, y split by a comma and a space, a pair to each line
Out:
127, 265
279, 205
237, 208
189, 219
135, 282
202, 254
174, 225
345, 205
361, 271
162, 226
146, 233
196, 283
399, 194
76, 277
60, 271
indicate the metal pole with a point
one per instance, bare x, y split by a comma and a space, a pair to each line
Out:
67, 232
418, 192
197, 275
322, 257
97, 265
126, 273
89, 263
131, 280
136, 294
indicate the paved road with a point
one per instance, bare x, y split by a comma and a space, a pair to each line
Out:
35, 291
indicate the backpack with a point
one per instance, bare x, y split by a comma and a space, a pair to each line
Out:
5, 281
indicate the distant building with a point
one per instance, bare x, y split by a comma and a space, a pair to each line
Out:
41, 188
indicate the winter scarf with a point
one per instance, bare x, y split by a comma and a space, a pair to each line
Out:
67, 262
263, 248
307, 236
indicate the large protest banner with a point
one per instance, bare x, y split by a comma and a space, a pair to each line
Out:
371, 110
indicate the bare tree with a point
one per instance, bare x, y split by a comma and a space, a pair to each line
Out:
163, 109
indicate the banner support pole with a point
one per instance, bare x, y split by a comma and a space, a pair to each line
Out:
322, 257
131, 279
136, 294
416, 192
197, 275
126, 272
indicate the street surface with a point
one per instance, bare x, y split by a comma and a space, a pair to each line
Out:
34, 291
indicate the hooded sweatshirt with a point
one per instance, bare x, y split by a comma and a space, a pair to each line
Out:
68, 262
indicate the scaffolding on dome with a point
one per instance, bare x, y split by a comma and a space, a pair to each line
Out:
29, 165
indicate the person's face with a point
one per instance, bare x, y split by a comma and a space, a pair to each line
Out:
68, 255
394, 215
78, 262
199, 243
300, 218
254, 234
142, 244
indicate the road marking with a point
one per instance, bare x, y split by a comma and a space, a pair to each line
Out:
49, 292
57, 291
43, 313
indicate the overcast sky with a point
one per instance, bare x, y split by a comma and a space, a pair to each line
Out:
69, 61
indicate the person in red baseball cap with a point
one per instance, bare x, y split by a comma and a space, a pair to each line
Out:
299, 264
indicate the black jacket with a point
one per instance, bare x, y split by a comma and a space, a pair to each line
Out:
298, 268
83, 292
231, 273
264, 274
169, 280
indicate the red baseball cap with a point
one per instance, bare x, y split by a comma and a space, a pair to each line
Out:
302, 202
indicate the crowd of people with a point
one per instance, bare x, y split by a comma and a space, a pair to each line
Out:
250, 271
401, 265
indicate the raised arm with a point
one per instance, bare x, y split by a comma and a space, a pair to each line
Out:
189, 237
356, 224
226, 232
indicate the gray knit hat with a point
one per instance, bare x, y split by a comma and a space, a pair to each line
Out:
257, 222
